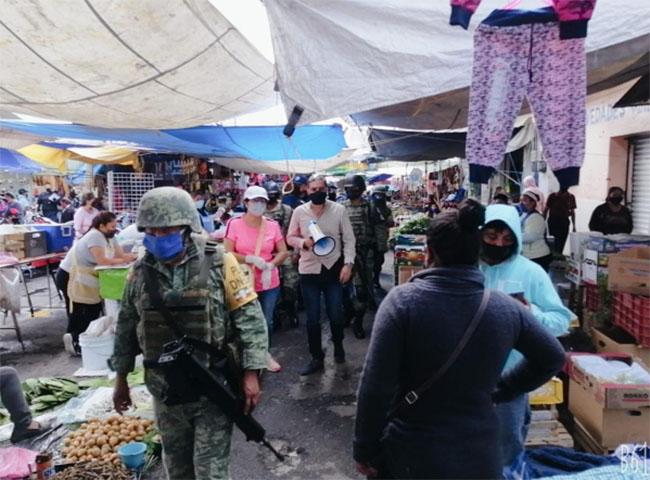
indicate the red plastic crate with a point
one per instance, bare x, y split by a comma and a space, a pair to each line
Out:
592, 298
632, 313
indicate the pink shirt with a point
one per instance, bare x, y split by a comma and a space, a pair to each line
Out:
83, 221
245, 240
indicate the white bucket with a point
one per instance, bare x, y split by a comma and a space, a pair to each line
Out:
95, 351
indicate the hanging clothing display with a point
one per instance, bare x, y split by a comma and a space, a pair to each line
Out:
573, 15
519, 53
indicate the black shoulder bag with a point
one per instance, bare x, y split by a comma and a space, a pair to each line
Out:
413, 396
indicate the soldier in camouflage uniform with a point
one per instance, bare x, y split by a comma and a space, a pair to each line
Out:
381, 218
360, 293
286, 308
218, 305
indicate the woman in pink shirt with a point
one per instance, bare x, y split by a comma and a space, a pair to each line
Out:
83, 217
258, 243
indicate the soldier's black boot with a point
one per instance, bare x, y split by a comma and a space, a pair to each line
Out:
339, 353
357, 327
314, 366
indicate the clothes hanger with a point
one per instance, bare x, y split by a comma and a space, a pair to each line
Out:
515, 3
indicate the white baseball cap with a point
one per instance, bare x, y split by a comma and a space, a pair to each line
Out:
255, 192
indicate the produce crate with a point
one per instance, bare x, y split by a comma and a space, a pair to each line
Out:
112, 282
551, 393
593, 302
632, 313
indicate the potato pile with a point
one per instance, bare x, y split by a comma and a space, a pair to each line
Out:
100, 439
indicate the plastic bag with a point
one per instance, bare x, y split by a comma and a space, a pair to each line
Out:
101, 327
15, 462
10, 292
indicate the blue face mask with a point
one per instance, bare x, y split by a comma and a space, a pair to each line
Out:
165, 247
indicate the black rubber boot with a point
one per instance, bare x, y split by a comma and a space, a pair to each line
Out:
314, 366
339, 353
357, 327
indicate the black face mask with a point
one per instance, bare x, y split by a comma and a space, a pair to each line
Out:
110, 234
616, 200
353, 194
496, 253
318, 198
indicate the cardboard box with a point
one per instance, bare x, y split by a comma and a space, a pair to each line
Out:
609, 427
410, 255
594, 266
403, 274
613, 414
610, 395
629, 271
616, 340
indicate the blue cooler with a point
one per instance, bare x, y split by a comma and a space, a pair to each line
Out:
59, 236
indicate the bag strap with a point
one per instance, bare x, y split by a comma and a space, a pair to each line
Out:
260, 238
412, 396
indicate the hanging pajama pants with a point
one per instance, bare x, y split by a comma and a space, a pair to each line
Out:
519, 54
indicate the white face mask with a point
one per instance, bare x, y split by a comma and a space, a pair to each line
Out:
256, 208
199, 204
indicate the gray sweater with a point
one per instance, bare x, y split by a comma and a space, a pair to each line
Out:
451, 432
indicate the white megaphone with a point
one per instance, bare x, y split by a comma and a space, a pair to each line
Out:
323, 244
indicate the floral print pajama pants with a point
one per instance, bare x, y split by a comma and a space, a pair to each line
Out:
529, 60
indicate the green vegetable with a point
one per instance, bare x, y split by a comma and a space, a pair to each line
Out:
135, 378
47, 393
417, 226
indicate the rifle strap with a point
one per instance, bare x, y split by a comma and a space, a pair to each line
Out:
152, 287
412, 396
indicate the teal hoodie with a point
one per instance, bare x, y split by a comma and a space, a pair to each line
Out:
518, 274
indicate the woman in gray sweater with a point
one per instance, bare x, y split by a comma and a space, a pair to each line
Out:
451, 431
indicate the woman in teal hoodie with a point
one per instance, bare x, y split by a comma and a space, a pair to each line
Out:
508, 271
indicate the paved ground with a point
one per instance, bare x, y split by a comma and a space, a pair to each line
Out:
309, 418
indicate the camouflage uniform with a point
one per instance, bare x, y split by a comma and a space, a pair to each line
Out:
382, 220
360, 294
195, 435
286, 307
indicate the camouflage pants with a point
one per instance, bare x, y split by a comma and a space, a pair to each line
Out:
357, 293
289, 283
196, 440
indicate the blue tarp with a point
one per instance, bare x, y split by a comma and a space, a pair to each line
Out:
314, 142
17, 163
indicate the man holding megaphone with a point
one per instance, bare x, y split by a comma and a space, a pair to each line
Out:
321, 230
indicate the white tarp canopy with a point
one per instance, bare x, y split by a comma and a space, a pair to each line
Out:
339, 57
125, 63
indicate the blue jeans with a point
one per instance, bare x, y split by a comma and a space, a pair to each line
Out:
326, 283
268, 300
514, 420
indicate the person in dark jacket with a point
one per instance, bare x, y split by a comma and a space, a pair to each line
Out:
67, 211
612, 216
451, 430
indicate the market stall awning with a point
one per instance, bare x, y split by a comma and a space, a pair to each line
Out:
404, 58
259, 143
416, 145
638, 95
57, 158
312, 147
124, 63
15, 162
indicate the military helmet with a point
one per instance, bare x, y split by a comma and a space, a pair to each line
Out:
273, 189
355, 181
167, 207
300, 180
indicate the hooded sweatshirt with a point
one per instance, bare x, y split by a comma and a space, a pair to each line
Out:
518, 274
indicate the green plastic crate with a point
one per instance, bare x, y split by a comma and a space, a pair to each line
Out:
112, 283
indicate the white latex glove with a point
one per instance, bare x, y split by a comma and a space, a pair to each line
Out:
266, 279
258, 262
269, 266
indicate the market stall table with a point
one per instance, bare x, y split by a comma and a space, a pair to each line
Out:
18, 264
